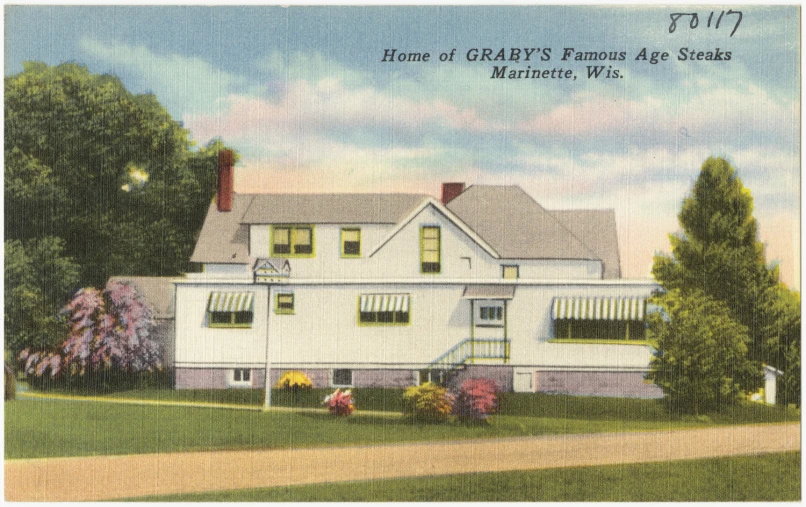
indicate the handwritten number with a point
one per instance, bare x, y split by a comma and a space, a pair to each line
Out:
738, 22
695, 20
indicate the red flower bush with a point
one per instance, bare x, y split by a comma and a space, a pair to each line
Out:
340, 403
476, 399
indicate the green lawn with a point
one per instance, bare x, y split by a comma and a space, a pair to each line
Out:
44, 428
772, 477
512, 404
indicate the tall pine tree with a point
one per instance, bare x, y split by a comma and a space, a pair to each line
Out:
718, 252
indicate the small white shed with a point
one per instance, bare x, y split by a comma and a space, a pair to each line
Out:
770, 378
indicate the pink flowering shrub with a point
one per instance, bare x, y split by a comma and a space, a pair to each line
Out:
109, 331
476, 399
340, 403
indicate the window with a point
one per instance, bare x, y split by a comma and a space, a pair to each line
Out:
384, 309
292, 241
284, 303
241, 376
510, 272
343, 378
608, 318
430, 250
599, 329
230, 309
491, 313
351, 242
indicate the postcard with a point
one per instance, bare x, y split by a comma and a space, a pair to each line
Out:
402, 253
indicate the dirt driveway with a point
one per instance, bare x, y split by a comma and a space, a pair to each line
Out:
59, 479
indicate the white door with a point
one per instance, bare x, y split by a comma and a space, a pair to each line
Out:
522, 383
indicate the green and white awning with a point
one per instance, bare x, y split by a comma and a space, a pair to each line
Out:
633, 308
384, 302
230, 302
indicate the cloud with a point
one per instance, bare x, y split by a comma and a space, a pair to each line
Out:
182, 84
311, 107
708, 114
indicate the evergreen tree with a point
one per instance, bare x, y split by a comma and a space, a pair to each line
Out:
701, 363
718, 251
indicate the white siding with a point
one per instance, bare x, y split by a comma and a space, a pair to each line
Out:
198, 344
325, 330
530, 328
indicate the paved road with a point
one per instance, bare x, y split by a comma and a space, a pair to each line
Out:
66, 479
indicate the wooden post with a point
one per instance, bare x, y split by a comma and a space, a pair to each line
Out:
472, 331
506, 336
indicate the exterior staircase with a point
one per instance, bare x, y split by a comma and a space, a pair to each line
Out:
466, 351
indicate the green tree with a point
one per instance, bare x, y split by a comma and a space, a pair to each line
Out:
701, 363
109, 172
38, 280
782, 340
718, 251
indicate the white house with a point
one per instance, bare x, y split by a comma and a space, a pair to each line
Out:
390, 289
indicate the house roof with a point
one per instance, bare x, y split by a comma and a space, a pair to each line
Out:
330, 208
223, 239
503, 219
516, 226
597, 229
157, 290
448, 214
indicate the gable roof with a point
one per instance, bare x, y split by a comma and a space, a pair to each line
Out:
516, 226
157, 290
330, 208
448, 214
597, 229
223, 239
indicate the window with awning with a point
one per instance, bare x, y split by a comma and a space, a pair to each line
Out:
384, 309
614, 318
230, 309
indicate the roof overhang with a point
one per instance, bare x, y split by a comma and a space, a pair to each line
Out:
489, 292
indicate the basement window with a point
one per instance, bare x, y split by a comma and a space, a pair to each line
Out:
342, 378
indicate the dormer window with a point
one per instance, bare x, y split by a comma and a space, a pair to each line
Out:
430, 249
351, 242
292, 241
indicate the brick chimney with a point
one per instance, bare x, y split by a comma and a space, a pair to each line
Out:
451, 191
224, 183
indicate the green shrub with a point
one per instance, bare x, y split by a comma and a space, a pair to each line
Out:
427, 403
294, 380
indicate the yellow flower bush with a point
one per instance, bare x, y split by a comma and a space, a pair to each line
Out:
427, 403
293, 380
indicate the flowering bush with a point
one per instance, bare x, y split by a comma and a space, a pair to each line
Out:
294, 380
109, 332
476, 399
427, 403
340, 403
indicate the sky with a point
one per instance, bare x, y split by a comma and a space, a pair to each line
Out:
303, 94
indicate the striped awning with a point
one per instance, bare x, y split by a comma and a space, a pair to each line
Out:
230, 302
599, 308
384, 302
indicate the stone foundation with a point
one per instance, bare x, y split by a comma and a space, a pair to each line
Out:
500, 374
587, 383
584, 383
